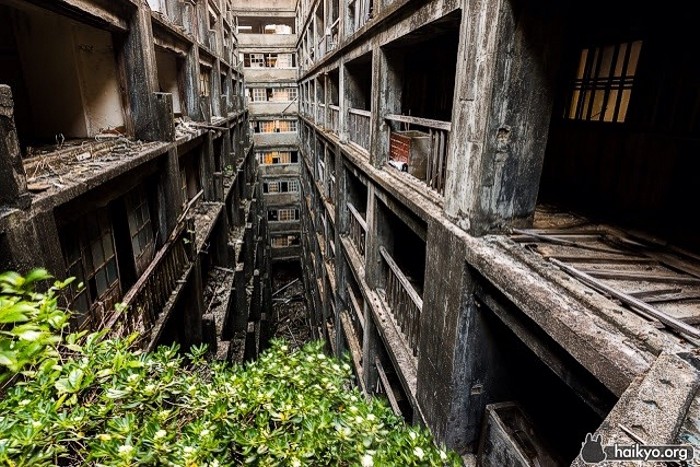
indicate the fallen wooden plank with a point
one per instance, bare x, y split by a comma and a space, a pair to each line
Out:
613, 274
622, 259
636, 304
556, 241
642, 294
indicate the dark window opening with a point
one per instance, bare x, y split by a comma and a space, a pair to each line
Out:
64, 78
423, 64
359, 82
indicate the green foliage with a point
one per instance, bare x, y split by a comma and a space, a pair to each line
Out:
98, 401
29, 321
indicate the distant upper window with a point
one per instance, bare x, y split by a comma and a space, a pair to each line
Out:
602, 88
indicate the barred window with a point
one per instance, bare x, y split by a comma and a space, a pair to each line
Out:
603, 85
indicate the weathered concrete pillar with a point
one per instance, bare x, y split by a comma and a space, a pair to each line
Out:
206, 172
343, 102
370, 344
216, 91
447, 386
500, 119
137, 58
13, 180
164, 116
372, 241
193, 102
193, 308
386, 99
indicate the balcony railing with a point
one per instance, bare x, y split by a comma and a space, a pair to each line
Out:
358, 229
334, 118
320, 114
146, 299
421, 152
359, 123
403, 300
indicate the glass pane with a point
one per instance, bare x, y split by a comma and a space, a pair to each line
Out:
135, 247
107, 245
112, 271
145, 238
97, 254
101, 282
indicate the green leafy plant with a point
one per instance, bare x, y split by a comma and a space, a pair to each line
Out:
29, 321
88, 399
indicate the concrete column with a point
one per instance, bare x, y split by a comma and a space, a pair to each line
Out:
216, 91
500, 120
343, 103
192, 91
370, 343
170, 197
13, 180
386, 99
193, 309
137, 59
372, 242
206, 171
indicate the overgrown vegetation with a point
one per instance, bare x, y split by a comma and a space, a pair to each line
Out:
86, 399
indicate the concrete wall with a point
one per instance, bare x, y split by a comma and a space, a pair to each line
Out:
264, 41
71, 76
50, 74
272, 108
255, 5
99, 78
269, 75
274, 139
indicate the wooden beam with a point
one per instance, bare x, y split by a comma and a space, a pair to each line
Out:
613, 274
635, 303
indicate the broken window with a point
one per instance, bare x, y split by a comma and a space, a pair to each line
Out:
283, 215
602, 88
282, 241
279, 186
283, 94
268, 60
140, 229
90, 256
278, 157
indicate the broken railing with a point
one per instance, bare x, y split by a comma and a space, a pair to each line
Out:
333, 118
359, 122
403, 300
420, 148
145, 301
358, 229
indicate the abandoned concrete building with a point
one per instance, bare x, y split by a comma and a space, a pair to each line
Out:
488, 200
